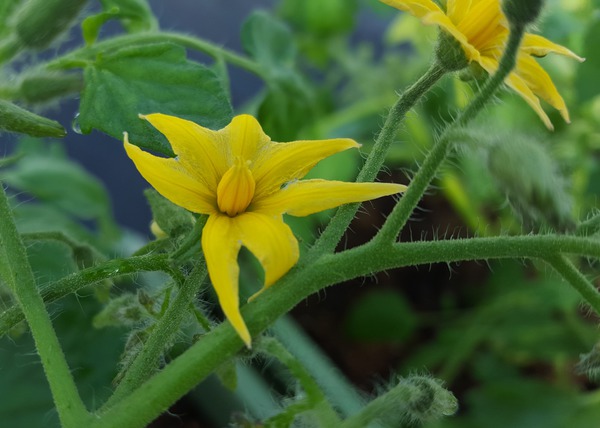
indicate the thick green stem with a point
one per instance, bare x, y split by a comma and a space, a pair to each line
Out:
344, 215
16, 272
181, 375
76, 281
145, 363
422, 180
576, 279
79, 57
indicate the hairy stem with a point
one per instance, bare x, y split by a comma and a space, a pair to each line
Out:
181, 375
16, 272
81, 56
331, 236
422, 180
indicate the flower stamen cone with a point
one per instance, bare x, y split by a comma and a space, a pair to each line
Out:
236, 189
245, 183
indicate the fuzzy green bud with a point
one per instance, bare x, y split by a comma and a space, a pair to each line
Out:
532, 183
449, 53
39, 22
41, 88
522, 12
16, 119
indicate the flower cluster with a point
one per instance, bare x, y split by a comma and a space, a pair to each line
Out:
245, 183
482, 30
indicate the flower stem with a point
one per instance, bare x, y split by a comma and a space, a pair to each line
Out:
145, 363
181, 375
421, 181
76, 281
316, 399
576, 279
331, 236
16, 272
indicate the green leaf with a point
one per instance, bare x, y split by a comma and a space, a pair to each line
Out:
268, 40
135, 15
145, 79
64, 184
16, 119
90, 27
288, 106
322, 18
587, 84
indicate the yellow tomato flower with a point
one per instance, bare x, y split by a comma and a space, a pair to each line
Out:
482, 30
245, 183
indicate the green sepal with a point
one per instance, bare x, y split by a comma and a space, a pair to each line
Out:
172, 219
135, 15
17, 119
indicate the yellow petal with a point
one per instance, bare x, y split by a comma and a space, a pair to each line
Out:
418, 8
221, 244
272, 243
519, 85
284, 162
310, 196
246, 138
198, 149
444, 22
536, 45
172, 180
457, 10
540, 83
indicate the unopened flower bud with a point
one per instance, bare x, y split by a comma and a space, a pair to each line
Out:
39, 22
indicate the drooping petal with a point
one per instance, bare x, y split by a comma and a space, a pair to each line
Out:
310, 196
418, 8
172, 180
246, 138
482, 22
539, 46
200, 150
519, 85
457, 10
272, 243
284, 162
540, 83
221, 244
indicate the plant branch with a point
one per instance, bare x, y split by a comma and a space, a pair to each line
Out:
331, 236
16, 272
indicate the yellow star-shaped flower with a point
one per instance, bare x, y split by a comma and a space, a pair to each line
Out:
482, 30
245, 183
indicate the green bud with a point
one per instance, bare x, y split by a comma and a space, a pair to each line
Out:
589, 364
535, 189
522, 12
321, 18
449, 52
41, 88
39, 22
16, 119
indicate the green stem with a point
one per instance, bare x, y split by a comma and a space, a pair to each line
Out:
344, 215
315, 397
145, 363
16, 272
589, 226
422, 180
76, 247
192, 240
576, 279
76, 281
159, 392
80, 57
